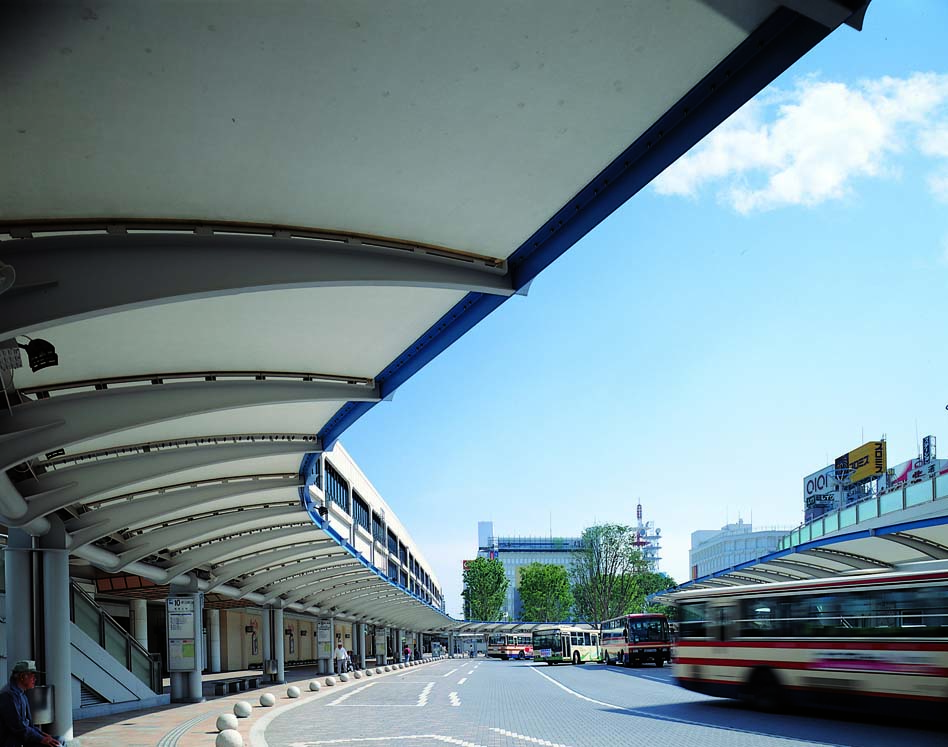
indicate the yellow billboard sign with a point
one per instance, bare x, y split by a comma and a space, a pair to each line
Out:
860, 464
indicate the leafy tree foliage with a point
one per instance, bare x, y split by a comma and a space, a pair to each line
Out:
545, 593
485, 586
603, 572
647, 583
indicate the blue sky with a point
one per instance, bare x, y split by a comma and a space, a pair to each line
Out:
775, 299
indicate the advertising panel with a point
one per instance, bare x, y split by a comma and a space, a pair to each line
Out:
869, 460
819, 484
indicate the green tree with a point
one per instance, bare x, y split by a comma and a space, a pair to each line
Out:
647, 583
485, 587
545, 593
603, 572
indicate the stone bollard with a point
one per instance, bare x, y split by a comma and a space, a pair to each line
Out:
226, 721
292, 692
242, 709
330, 681
378, 670
314, 686
343, 677
357, 674
368, 672
267, 700
229, 738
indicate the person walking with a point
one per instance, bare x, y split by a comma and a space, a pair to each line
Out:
341, 656
406, 654
16, 719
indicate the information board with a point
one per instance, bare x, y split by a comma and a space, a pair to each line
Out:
324, 639
181, 626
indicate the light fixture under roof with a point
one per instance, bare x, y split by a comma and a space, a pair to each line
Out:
41, 354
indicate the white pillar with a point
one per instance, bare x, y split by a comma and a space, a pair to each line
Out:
266, 651
139, 610
57, 644
399, 645
18, 575
214, 640
361, 645
278, 643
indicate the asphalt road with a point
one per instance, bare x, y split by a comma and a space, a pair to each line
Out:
488, 703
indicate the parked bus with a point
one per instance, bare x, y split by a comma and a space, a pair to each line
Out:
509, 646
633, 640
565, 643
863, 641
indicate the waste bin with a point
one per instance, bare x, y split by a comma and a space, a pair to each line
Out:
42, 704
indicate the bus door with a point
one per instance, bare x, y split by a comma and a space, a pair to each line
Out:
720, 619
567, 645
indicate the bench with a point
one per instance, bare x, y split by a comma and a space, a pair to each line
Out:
236, 684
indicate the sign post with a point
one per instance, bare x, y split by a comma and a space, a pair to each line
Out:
185, 643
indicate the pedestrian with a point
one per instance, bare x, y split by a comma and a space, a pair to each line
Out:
341, 657
16, 719
406, 654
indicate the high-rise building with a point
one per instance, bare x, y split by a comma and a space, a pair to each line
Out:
516, 552
716, 549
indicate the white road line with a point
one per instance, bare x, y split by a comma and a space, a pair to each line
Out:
451, 672
462, 680
341, 698
423, 697
453, 697
472, 671
670, 719
534, 740
406, 737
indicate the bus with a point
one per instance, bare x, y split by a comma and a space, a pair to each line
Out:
509, 646
633, 640
567, 643
869, 641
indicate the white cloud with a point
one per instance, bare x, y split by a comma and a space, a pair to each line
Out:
806, 146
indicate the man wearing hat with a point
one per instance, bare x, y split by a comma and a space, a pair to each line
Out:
16, 721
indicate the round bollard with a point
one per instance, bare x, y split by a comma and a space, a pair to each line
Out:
357, 674
267, 700
314, 686
226, 721
368, 672
330, 681
242, 709
229, 738
291, 692
378, 670
343, 677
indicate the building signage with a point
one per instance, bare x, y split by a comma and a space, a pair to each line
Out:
869, 460
181, 626
928, 449
819, 484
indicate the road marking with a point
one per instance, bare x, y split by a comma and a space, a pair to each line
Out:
423, 697
472, 671
462, 680
352, 740
348, 695
453, 697
545, 742
671, 719
451, 672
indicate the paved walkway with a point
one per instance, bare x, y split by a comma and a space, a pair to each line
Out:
194, 725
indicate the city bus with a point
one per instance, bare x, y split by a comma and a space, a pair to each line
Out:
633, 640
870, 641
567, 643
509, 646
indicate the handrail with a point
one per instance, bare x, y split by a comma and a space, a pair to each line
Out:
131, 645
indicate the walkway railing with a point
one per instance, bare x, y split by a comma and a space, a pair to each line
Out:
104, 630
908, 496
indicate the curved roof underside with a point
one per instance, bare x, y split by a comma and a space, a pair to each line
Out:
243, 225
879, 548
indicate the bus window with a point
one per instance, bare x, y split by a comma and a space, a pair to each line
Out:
693, 623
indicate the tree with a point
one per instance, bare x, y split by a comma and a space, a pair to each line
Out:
647, 583
485, 587
603, 572
545, 593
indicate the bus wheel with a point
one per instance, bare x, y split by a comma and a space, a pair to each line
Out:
576, 657
660, 661
763, 691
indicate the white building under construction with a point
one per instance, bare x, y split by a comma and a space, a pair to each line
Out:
515, 552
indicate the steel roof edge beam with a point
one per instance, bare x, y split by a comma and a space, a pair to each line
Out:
153, 541
94, 525
39, 427
57, 489
277, 580
303, 589
82, 276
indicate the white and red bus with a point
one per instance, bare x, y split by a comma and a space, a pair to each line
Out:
510, 646
864, 641
635, 639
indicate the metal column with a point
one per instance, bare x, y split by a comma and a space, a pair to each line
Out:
139, 610
214, 640
18, 575
278, 644
57, 644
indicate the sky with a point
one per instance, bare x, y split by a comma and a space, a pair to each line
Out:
774, 299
